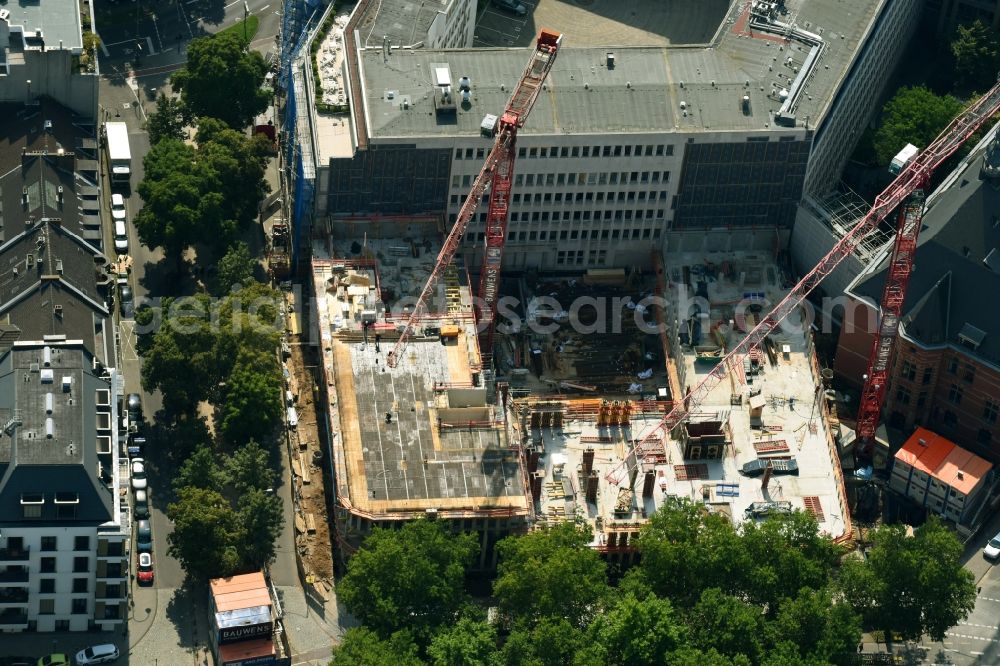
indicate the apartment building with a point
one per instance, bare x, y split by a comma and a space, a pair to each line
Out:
946, 374
47, 48
706, 147
64, 523
942, 477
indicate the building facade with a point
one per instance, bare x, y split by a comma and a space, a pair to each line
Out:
49, 48
944, 478
946, 373
65, 526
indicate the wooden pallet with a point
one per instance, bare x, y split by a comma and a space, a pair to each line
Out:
771, 446
691, 472
814, 507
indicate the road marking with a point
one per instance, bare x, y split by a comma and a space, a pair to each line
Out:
975, 638
261, 9
978, 654
981, 626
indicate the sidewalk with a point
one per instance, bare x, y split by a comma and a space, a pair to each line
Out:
312, 629
168, 626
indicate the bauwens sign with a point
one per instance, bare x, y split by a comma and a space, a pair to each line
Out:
244, 633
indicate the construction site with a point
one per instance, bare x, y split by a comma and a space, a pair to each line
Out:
567, 429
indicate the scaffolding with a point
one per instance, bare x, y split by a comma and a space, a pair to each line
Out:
841, 211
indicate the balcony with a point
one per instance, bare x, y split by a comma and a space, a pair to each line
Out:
110, 572
13, 596
13, 575
13, 618
13, 554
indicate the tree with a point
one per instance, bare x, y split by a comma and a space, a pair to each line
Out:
686, 550
977, 55
361, 646
782, 555
727, 624
551, 642
911, 584
253, 401
260, 519
237, 164
690, 656
206, 533
638, 632
222, 79
168, 121
469, 642
816, 626
914, 115
249, 468
552, 572
186, 436
236, 267
181, 203
411, 577
200, 470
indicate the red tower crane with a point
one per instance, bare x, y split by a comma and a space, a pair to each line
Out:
912, 178
498, 174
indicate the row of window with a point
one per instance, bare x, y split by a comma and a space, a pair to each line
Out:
48, 606
50, 543
80, 585
577, 215
572, 234
65, 503
956, 393
644, 150
80, 565
575, 257
576, 178
570, 197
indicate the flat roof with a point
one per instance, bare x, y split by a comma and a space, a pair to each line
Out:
944, 460
419, 436
239, 592
643, 90
57, 20
403, 22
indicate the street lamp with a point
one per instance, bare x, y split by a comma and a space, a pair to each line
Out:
246, 15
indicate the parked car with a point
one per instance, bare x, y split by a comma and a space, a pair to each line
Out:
97, 654
992, 550
121, 237
143, 536
126, 304
134, 405
18, 661
118, 207
141, 504
56, 659
512, 6
144, 573
138, 474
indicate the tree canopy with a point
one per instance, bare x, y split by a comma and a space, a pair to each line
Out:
236, 267
222, 79
361, 646
911, 584
914, 115
977, 55
408, 578
253, 400
168, 120
206, 533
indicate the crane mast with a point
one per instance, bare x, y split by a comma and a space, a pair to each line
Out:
912, 178
497, 173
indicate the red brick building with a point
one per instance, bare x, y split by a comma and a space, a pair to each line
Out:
946, 373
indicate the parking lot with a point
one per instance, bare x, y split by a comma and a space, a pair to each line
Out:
601, 22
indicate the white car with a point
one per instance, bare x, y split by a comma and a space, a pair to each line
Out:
118, 207
138, 474
97, 654
992, 550
121, 237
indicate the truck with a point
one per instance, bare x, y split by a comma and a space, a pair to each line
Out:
119, 154
902, 159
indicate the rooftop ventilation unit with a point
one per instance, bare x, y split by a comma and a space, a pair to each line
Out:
50, 428
971, 336
67, 383
50, 401
47, 356
47, 376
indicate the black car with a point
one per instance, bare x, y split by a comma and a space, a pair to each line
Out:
126, 301
143, 536
18, 661
134, 406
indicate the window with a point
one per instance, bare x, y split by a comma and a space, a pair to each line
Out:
969, 373
659, 149
927, 376
949, 418
575, 152
46, 606
908, 371
544, 152
953, 366
32, 504
458, 153
79, 586
921, 398
903, 395
81, 564
66, 504
48, 565
533, 152
79, 607
990, 410
955, 394
48, 543
47, 585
